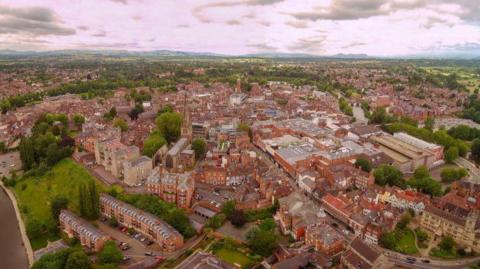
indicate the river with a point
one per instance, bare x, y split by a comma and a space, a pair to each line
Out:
12, 252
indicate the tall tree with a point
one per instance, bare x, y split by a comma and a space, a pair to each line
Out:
27, 153
82, 202
93, 196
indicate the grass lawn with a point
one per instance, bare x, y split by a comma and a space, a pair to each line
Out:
406, 244
35, 194
233, 256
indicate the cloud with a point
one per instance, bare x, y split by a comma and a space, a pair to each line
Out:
183, 26
233, 22
40, 14
264, 23
357, 9
100, 34
250, 15
31, 20
263, 47
82, 27
198, 12
353, 44
297, 24
125, 2
312, 44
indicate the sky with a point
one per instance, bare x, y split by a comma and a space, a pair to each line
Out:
234, 27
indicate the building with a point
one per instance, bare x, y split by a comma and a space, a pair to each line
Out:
174, 161
411, 140
446, 219
237, 99
112, 154
88, 235
361, 255
137, 170
159, 231
406, 157
172, 188
296, 213
324, 239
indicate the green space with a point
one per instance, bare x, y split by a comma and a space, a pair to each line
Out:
233, 253
233, 257
35, 194
406, 243
402, 238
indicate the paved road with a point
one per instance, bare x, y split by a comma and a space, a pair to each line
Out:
12, 251
401, 260
471, 168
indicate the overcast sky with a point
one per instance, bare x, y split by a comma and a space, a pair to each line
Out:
322, 27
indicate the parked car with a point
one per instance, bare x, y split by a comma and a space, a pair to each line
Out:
149, 253
126, 258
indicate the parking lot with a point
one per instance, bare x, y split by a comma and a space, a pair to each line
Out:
137, 250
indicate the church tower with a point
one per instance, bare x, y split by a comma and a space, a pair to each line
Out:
186, 130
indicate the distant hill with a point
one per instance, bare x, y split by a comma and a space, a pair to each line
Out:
271, 55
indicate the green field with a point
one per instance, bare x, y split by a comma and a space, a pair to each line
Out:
35, 194
233, 257
406, 244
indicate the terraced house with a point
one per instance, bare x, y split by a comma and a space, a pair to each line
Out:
161, 232
88, 235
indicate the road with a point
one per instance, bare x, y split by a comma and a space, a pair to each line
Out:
400, 260
471, 168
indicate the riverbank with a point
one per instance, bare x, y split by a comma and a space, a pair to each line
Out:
13, 234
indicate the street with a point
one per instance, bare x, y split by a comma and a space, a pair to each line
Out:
472, 169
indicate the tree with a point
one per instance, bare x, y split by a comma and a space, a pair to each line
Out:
429, 123
449, 175
169, 124
200, 148
95, 200
110, 115
153, 143
261, 241
120, 123
403, 223
228, 208
58, 203
56, 260
78, 260
388, 240
364, 164
388, 174
421, 172
110, 254
216, 221
78, 120
34, 228
166, 108
422, 181
82, 201
268, 224
447, 243
238, 218
27, 153
476, 149
451, 154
